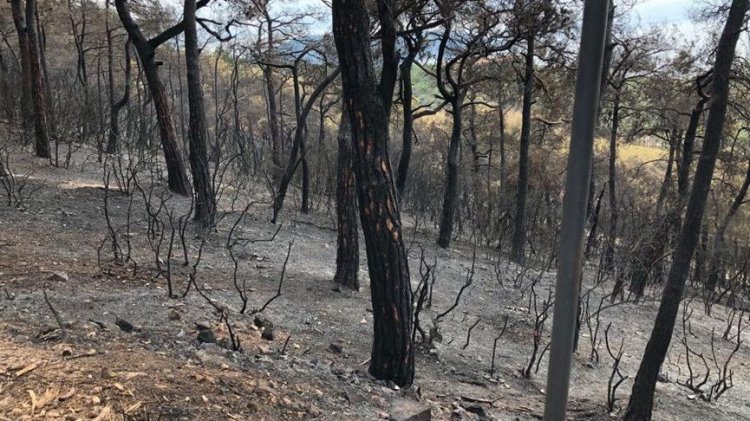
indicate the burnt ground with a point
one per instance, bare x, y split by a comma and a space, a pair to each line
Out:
98, 371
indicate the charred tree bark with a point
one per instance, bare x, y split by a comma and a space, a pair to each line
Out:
666, 184
42, 49
591, 239
272, 109
78, 29
273, 117
503, 153
8, 104
205, 198
473, 138
518, 245
450, 195
347, 244
642, 398
368, 102
609, 251
454, 96
407, 135
305, 206
38, 92
297, 144
27, 108
701, 255
609, 47
113, 142
673, 217
453, 85
407, 97
715, 264
683, 171
176, 174
653, 245
605, 79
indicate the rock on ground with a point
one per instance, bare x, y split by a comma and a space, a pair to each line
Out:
408, 410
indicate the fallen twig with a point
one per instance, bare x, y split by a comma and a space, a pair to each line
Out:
89, 353
479, 400
56, 314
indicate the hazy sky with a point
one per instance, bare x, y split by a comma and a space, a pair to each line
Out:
647, 12
665, 12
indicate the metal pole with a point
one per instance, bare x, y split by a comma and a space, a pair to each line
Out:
588, 78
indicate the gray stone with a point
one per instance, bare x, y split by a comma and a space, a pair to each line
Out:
262, 321
208, 358
224, 343
408, 410
212, 348
206, 336
267, 333
203, 325
58, 277
336, 348
124, 325
476, 409
174, 315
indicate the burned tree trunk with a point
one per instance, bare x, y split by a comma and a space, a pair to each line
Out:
42, 49
273, 118
347, 244
368, 102
272, 109
683, 170
670, 223
78, 30
503, 154
402, 172
5, 83
666, 184
305, 207
27, 109
455, 96
647, 257
205, 198
518, 245
451, 175
38, 92
642, 398
715, 264
407, 96
176, 175
113, 142
609, 251
297, 144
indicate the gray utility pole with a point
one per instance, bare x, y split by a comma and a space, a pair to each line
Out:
590, 58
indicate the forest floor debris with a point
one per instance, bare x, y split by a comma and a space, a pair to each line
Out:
313, 362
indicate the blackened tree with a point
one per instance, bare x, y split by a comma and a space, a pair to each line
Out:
369, 102
205, 197
347, 242
642, 399
460, 50
535, 22
34, 97
146, 48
